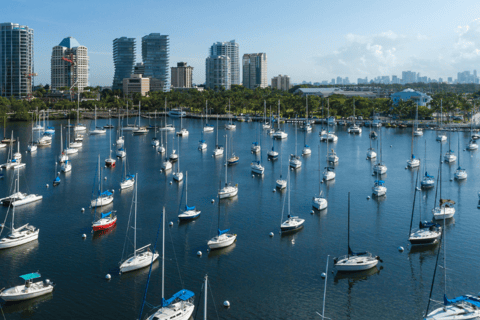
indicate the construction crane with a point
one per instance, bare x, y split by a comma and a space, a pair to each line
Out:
29, 76
72, 66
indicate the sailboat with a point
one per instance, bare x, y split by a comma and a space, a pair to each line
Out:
230, 125
110, 162
38, 126
319, 202
354, 128
233, 158
103, 197
166, 165
460, 173
428, 232
130, 127
121, 153
257, 166
18, 236
139, 130
428, 181
141, 257
306, 124
229, 190
155, 141
97, 130
167, 127
12, 162
18, 155
128, 180
371, 154
450, 156
413, 162
441, 137
190, 213
32, 147
295, 161
218, 151
265, 125
463, 307
57, 179
281, 183
379, 188
380, 166
328, 136
355, 261
79, 127
472, 145
105, 221
63, 155
178, 176
207, 127
418, 131
202, 145
307, 128
70, 149
292, 223
255, 148
445, 209
279, 134
109, 124
161, 148
223, 238
174, 156
183, 132
18, 198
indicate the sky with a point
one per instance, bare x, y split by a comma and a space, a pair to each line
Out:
308, 40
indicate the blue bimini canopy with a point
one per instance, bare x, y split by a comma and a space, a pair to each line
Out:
187, 208
209, 125
472, 300
413, 156
183, 295
380, 182
57, 179
14, 160
51, 128
427, 175
106, 193
121, 149
106, 214
30, 276
220, 232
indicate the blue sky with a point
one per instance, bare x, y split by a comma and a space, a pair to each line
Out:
307, 40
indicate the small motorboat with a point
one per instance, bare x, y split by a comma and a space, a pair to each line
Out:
29, 290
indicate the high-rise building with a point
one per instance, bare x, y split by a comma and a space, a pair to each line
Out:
182, 75
255, 70
217, 72
395, 79
16, 60
281, 82
139, 68
69, 65
123, 60
409, 77
339, 80
231, 50
155, 58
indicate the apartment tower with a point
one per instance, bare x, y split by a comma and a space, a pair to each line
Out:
69, 65
155, 56
255, 70
123, 60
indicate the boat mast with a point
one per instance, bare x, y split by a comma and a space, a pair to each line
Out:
278, 120
139, 105
354, 111
95, 116
289, 187
206, 293
413, 207
348, 251
265, 111
186, 188
306, 121
165, 112
135, 219
319, 175
226, 158
206, 112
325, 290
163, 255
216, 141
178, 164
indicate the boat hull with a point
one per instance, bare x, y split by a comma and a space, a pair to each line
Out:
18, 242
27, 295
104, 226
141, 261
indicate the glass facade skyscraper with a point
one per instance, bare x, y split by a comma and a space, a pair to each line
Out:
16, 60
231, 50
155, 56
123, 59
217, 73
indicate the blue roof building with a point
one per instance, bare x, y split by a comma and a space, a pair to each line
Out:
418, 97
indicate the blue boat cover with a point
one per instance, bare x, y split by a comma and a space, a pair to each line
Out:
14, 160
30, 276
350, 252
202, 141
129, 177
380, 182
53, 128
272, 149
255, 143
220, 232
57, 179
106, 214
209, 125
426, 224
189, 208
106, 193
427, 175
469, 299
121, 149
451, 151
183, 295
307, 146
413, 156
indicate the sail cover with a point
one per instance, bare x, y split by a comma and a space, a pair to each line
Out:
220, 232
183, 295
350, 252
469, 299
187, 208
106, 193
106, 214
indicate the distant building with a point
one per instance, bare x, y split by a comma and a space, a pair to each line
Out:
69, 65
139, 68
123, 60
326, 92
450, 80
136, 84
181, 76
231, 50
16, 60
395, 79
362, 81
281, 82
409, 77
466, 77
217, 72
255, 70
418, 97
339, 80
155, 57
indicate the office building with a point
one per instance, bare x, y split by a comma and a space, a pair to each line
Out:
255, 70
217, 72
409, 77
155, 56
182, 76
281, 82
69, 65
231, 50
16, 60
123, 60
136, 84
139, 68
339, 80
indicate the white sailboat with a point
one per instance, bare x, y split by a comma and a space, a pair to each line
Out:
450, 156
445, 208
32, 147
355, 261
230, 125
266, 125
38, 126
183, 131
128, 180
328, 136
202, 144
460, 173
223, 238
141, 257
63, 155
229, 190
12, 163
190, 213
103, 197
371, 154
293, 223
18, 198
140, 130
178, 176
257, 166
281, 183
279, 134
97, 130
380, 166
166, 165
130, 127
29, 290
472, 145
295, 161
207, 127
18, 236
110, 162
418, 131
319, 202
79, 127
441, 137
428, 181
354, 128
167, 127
218, 151
413, 162
70, 149
155, 142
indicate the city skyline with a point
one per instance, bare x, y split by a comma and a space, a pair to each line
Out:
313, 42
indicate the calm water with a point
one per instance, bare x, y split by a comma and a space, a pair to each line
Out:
262, 277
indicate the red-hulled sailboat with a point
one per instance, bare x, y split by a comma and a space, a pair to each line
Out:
106, 221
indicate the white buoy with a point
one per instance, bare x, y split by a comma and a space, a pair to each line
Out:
47, 185
274, 190
253, 176
84, 236
390, 146
293, 241
105, 178
113, 190
312, 212
323, 275
171, 224
83, 209
226, 304
368, 197
406, 168
58, 173
291, 169
199, 253
271, 234
108, 276
400, 249
170, 182
451, 179
105, 166
373, 174
161, 170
